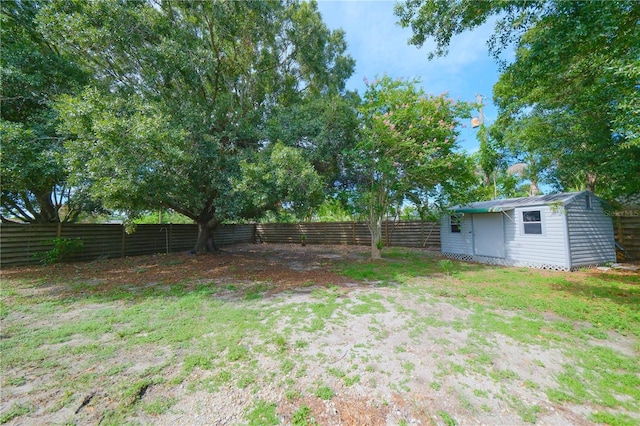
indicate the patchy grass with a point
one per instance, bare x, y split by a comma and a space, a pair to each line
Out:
131, 351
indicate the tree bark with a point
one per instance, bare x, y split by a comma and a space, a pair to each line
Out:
205, 242
375, 228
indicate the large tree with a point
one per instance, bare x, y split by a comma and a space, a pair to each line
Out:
406, 151
570, 97
33, 73
184, 95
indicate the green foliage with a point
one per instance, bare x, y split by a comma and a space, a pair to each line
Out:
324, 392
332, 210
303, 417
166, 216
267, 184
446, 417
446, 265
406, 151
262, 414
569, 101
62, 248
181, 113
16, 410
33, 73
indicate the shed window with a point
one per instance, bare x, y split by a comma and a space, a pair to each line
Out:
454, 221
532, 222
587, 200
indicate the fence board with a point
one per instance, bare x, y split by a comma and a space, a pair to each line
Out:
627, 229
19, 243
396, 234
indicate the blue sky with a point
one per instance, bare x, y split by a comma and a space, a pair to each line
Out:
380, 46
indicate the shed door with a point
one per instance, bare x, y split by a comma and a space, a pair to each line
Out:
488, 234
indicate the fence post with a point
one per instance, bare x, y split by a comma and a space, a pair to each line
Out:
122, 244
386, 232
353, 232
170, 234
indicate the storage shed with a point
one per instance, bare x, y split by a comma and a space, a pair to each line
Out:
562, 231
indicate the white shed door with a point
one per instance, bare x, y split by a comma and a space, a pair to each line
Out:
488, 234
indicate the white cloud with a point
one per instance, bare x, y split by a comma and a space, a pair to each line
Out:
381, 46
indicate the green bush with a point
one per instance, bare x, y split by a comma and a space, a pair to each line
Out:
62, 247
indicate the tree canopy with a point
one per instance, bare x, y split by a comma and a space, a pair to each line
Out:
185, 93
33, 73
569, 101
406, 151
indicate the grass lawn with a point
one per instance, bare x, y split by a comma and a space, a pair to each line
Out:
412, 336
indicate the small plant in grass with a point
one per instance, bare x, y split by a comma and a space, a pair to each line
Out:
263, 413
303, 417
196, 360
62, 248
446, 265
16, 410
160, 405
324, 392
613, 419
16, 381
446, 417
350, 381
287, 366
292, 395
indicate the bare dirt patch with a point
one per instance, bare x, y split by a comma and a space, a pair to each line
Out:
284, 265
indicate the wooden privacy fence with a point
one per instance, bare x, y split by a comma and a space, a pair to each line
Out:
394, 234
19, 243
627, 230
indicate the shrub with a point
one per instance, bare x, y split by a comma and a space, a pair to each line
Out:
62, 247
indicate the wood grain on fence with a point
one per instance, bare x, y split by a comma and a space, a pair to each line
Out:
394, 234
627, 229
20, 244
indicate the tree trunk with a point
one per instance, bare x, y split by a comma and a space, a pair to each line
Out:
375, 228
205, 242
533, 188
590, 181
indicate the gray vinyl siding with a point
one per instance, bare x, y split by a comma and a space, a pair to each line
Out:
591, 237
548, 248
456, 242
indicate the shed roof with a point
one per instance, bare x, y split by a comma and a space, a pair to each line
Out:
512, 203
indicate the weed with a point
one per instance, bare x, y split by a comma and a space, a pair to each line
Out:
503, 375
446, 418
301, 344
613, 419
16, 410
237, 353
262, 414
16, 381
349, 381
159, 405
192, 361
408, 367
287, 366
303, 417
324, 392
480, 393
62, 248
446, 265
